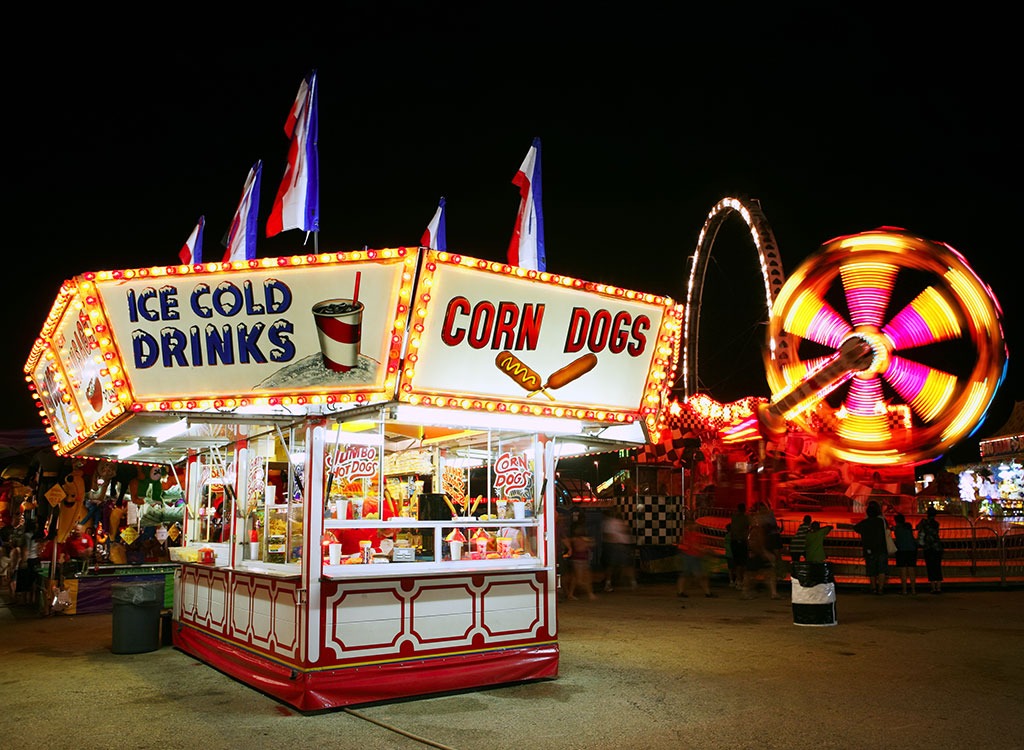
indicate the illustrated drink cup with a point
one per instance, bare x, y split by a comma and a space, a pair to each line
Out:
339, 326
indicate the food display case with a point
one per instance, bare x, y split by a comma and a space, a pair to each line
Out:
370, 473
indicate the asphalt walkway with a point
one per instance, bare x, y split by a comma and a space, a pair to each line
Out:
639, 669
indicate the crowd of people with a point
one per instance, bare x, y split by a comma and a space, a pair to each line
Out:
755, 547
610, 549
879, 543
754, 552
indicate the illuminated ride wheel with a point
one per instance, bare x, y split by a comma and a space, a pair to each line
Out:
879, 387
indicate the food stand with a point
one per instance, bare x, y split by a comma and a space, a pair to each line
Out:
369, 442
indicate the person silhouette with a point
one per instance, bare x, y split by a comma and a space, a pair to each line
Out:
873, 531
906, 553
931, 547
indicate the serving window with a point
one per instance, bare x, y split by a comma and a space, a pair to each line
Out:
395, 492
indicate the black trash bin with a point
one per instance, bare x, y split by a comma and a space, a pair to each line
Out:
136, 620
814, 594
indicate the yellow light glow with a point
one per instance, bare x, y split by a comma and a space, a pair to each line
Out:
870, 240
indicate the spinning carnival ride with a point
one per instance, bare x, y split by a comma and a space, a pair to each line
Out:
875, 387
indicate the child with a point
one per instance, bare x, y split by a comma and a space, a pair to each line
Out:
580, 546
814, 543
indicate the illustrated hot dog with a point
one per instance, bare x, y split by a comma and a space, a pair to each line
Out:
571, 371
512, 366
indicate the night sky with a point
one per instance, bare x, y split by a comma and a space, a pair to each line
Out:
836, 120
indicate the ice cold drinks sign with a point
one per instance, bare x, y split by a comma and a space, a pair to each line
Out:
281, 329
243, 323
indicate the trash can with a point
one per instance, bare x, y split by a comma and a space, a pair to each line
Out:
814, 594
136, 620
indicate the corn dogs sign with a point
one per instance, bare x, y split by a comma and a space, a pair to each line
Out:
544, 340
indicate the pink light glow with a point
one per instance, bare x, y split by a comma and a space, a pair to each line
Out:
926, 320
815, 320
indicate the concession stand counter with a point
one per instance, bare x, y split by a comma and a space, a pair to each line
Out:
368, 442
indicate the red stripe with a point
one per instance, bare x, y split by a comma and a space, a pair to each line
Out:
344, 333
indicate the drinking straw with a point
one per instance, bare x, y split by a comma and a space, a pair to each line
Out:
355, 292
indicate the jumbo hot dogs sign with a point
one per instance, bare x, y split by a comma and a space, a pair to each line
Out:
503, 337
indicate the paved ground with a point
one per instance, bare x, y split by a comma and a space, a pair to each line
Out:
640, 669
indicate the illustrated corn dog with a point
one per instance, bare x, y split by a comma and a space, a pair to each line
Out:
571, 371
516, 369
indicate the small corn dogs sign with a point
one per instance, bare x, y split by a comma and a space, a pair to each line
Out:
548, 340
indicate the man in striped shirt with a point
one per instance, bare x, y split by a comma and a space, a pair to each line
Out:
798, 543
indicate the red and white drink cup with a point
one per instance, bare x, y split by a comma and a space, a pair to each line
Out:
339, 326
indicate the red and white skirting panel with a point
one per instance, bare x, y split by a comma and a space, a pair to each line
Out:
370, 639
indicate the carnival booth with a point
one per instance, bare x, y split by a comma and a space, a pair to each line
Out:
369, 443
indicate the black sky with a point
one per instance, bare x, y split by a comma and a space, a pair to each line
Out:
839, 120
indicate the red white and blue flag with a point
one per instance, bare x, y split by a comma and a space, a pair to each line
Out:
297, 205
191, 252
241, 242
527, 247
434, 235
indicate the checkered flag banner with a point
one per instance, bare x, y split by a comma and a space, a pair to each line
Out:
668, 450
